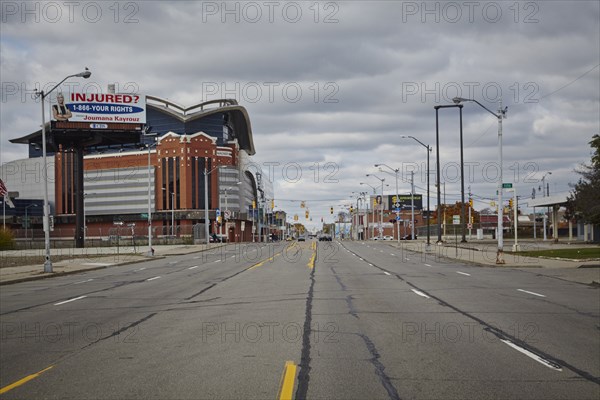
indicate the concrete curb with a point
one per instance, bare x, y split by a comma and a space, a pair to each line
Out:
73, 272
77, 271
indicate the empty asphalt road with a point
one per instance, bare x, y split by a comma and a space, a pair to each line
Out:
314, 320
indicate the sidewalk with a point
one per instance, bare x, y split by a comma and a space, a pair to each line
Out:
88, 259
483, 253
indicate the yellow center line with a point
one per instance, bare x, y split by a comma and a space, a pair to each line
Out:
286, 387
24, 380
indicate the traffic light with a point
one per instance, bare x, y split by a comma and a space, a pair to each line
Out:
306, 214
471, 202
510, 203
253, 204
351, 209
331, 210
272, 204
472, 219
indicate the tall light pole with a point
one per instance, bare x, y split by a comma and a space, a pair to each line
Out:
428, 147
226, 206
206, 219
27, 220
545, 192
42, 95
500, 115
381, 205
147, 133
396, 206
368, 203
437, 147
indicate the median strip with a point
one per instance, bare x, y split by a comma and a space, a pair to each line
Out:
24, 380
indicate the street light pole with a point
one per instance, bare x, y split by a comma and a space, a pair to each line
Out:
47, 262
544, 191
396, 206
428, 147
381, 206
499, 116
150, 251
173, 214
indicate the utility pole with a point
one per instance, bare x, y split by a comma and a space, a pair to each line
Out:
470, 223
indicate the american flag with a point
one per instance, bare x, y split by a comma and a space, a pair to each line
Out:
3, 190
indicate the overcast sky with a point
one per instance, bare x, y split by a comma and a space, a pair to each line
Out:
332, 86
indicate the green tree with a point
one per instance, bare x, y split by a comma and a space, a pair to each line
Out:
583, 202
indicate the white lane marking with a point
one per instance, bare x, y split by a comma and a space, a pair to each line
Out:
217, 260
232, 256
370, 264
420, 293
70, 300
360, 259
533, 293
537, 358
463, 273
151, 279
194, 267
173, 262
392, 254
77, 283
196, 258
427, 265
387, 273
140, 269
407, 259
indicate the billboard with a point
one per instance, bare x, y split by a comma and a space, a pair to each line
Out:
99, 108
388, 202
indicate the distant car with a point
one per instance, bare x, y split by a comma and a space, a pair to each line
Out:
408, 237
388, 237
324, 238
302, 239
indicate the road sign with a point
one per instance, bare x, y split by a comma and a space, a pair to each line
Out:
469, 226
507, 186
227, 214
398, 218
456, 220
218, 212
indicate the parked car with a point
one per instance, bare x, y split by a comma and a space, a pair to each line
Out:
388, 237
324, 238
301, 239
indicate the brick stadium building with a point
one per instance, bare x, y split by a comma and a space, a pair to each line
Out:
167, 168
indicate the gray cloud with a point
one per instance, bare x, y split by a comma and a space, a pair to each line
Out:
372, 73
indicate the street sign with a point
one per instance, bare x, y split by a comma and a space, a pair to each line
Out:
469, 226
227, 214
398, 218
456, 220
218, 212
507, 186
